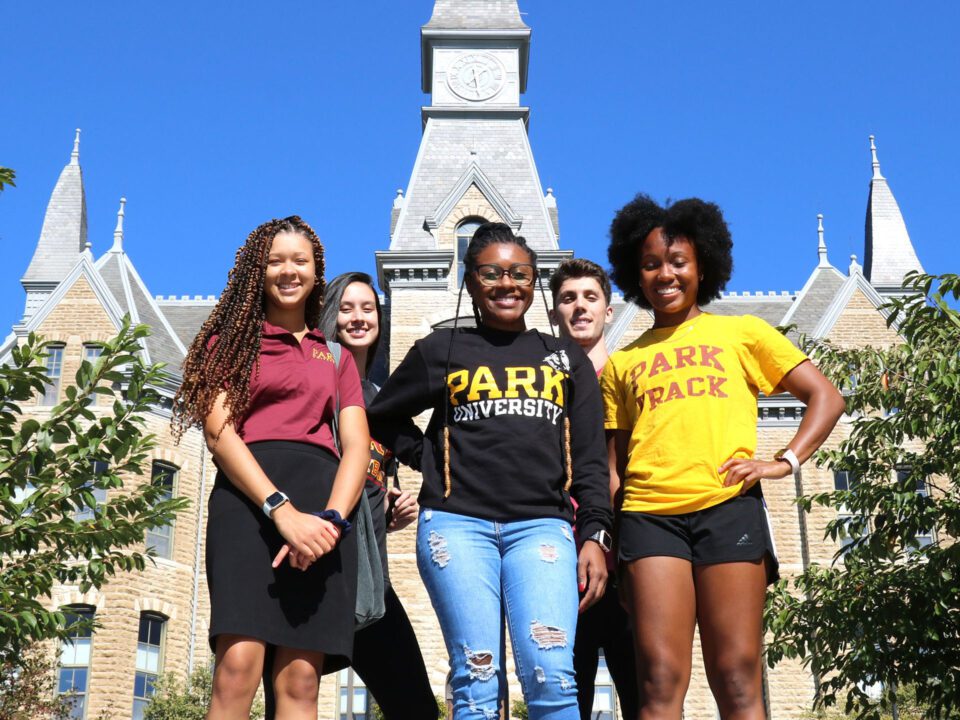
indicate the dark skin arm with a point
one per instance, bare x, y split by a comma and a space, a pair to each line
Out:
824, 404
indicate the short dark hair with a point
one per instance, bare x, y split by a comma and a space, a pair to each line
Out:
693, 219
579, 268
488, 234
331, 308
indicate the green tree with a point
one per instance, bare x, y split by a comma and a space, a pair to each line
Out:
177, 700
6, 177
28, 685
886, 612
52, 529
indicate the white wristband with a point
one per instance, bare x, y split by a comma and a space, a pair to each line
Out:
791, 457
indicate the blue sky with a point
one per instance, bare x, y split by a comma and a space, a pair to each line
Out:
211, 117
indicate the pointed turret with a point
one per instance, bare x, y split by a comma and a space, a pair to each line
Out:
821, 245
63, 235
118, 230
888, 252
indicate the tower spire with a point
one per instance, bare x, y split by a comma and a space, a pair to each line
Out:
118, 230
876, 162
63, 236
888, 251
75, 155
821, 245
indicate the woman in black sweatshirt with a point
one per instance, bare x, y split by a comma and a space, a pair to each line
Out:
517, 426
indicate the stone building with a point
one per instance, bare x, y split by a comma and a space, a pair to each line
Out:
474, 164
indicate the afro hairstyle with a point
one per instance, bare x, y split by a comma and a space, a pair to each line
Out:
693, 219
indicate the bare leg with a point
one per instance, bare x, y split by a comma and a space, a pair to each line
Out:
730, 599
661, 601
296, 682
236, 677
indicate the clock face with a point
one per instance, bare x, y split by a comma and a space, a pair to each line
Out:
476, 76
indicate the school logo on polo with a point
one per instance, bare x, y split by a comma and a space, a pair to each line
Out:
653, 394
527, 391
321, 354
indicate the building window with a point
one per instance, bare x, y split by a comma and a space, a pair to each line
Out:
354, 699
465, 231
72, 675
603, 692
924, 537
846, 481
160, 538
149, 661
54, 372
91, 353
97, 467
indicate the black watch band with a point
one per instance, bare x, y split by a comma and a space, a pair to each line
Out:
603, 539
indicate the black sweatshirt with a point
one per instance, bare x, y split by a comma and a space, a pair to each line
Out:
505, 402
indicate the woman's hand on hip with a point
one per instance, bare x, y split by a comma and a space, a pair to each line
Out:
591, 573
307, 537
748, 471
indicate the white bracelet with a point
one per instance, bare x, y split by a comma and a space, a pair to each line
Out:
791, 457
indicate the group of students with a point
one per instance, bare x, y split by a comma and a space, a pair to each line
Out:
550, 470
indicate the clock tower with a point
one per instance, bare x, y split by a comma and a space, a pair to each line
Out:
474, 165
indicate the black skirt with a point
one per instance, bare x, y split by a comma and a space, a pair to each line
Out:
310, 610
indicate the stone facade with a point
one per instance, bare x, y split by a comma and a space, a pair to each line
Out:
475, 161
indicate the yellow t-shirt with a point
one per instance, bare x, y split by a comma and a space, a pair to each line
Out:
688, 396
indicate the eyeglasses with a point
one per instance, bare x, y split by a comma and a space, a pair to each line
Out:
520, 273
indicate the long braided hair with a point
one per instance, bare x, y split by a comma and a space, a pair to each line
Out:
236, 322
487, 234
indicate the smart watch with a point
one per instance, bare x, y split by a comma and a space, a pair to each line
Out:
273, 502
603, 539
788, 456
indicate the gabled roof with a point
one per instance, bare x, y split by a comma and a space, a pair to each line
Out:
473, 175
812, 301
163, 344
888, 252
452, 150
855, 281
63, 236
186, 315
83, 267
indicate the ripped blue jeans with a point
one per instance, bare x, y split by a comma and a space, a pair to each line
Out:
476, 571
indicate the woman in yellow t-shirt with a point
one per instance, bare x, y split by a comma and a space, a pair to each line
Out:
681, 409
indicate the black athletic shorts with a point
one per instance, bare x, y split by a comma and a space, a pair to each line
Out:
737, 530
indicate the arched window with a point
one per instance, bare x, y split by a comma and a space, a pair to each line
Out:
74, 670
149, 660
465, 231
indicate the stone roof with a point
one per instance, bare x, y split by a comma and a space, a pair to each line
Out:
888, 252
813, 300
475, 15
501, 150
163, 344
186, 316
769, 306
64, 232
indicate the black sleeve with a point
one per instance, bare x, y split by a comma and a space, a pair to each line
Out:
591, 472
404, 395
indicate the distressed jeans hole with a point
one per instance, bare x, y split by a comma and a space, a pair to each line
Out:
438, 549
547, 637
480, 664
548, 553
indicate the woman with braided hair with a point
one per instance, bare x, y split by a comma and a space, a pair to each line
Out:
281, 562
516, 425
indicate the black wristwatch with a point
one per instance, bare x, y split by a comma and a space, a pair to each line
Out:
603, 539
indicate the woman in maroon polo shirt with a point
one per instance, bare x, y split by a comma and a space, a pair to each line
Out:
281, 562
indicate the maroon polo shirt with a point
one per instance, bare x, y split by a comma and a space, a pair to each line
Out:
293, 397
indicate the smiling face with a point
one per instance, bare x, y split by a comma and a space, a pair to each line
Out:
357, 323
669, 278
291, 274
502, 305
581, 310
